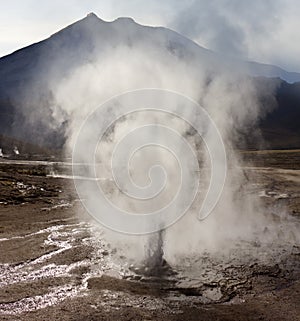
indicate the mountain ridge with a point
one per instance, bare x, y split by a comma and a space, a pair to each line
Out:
252, 68
79, 43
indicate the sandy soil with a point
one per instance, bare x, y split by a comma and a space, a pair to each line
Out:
53, 267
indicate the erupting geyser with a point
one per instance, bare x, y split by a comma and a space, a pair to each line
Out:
155, 261
16, 150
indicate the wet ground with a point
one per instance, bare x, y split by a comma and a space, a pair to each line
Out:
55, 265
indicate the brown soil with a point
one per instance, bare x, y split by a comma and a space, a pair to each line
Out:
48, 261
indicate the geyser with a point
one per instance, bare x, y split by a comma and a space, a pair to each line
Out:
137, 57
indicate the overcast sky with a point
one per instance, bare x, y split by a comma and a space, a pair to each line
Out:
262, 30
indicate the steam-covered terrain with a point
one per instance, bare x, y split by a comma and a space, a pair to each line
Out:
56, 262
185, 125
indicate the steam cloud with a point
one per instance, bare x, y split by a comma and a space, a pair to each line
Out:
232, 100
228, 26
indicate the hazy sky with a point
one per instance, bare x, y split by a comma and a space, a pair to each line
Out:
262, 30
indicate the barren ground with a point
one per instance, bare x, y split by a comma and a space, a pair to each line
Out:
52, 267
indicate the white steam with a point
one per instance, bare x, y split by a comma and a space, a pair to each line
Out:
231, 99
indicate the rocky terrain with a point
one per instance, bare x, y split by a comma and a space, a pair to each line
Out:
55, 264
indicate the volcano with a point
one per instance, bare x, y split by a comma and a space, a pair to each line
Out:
24, 73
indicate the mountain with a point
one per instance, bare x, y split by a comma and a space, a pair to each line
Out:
81, 42
281, 128
96, 35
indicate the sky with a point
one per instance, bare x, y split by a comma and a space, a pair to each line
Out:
262, 30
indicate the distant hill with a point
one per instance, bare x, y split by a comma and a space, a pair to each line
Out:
281, 128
